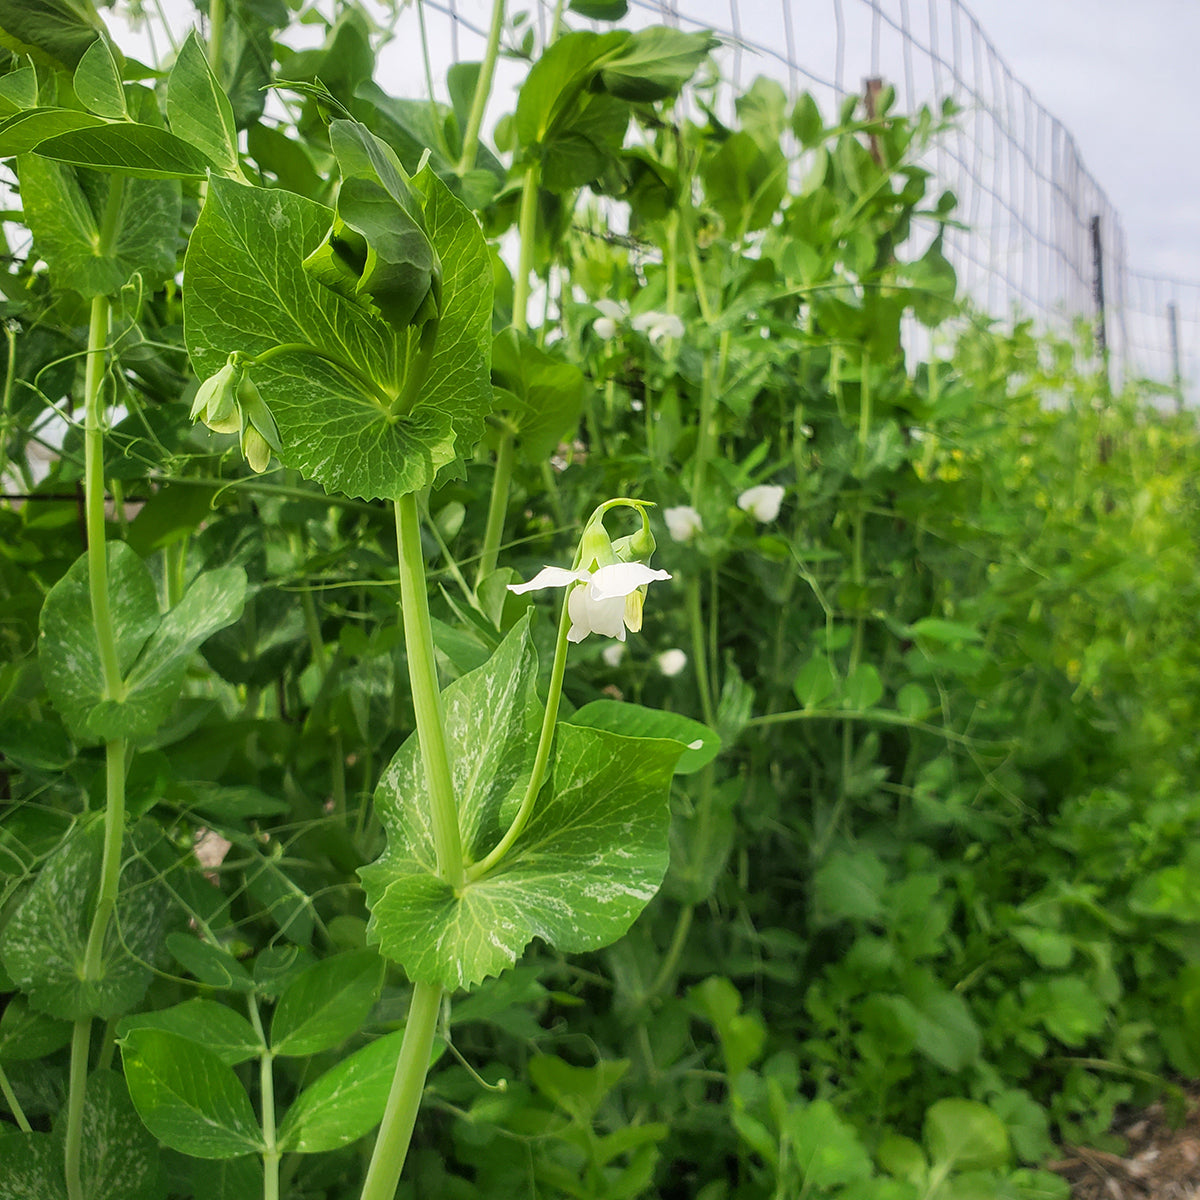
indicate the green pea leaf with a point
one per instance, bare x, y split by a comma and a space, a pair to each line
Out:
187, 1097
98, 81
31, 1167
26, 1033
143, 151
216, 1027
44, 943
344, 1103
655, 63
65, 212
152, 650
544, 393
51, 31
964, 1135
592, 855
119, 1156
199, 110
211, 965
701, 744
326, 1004
337, 396
23, 131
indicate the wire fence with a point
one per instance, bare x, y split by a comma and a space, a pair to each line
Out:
1041, 235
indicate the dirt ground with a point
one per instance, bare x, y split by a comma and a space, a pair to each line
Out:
1160, 1163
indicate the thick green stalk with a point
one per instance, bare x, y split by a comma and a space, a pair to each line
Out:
404, 1100
483, 89
493, 531
427, 701
81, 1040
542, 755
216, 34
110, 862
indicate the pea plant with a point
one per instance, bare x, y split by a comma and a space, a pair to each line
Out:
815, 845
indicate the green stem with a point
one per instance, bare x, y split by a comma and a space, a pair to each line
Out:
110, 863
404, 1100
93, 488
493, 532
527, 230
483, 89
704, 434
542, 756
700, 651
14, 1105
674, 952
433, 109
81, 1039
266, 1086
216, 34
427, 701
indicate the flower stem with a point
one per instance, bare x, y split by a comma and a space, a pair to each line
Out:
497, 506
541, 757
483, 88
527, 231
404, 1099
427, 701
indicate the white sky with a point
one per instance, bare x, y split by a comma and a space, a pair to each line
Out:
1122, 76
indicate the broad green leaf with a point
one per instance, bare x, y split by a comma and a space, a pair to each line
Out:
98, 81
344, 1103
65, 212
31, 1167
946, 1033
154, 682
848, 885
211, 965
745, 182
592, 855
807, 123
557, 80
544, 394
26, 1033
26, 130
18, 91
600, 10
119, 1159
326, 1004
862, 688
187, 1097
44, 942
52, 31
964, 1135
577, 1090
377, 252
216, 1027
655, 63
1068, 1007
826, 1148
141, 151
198, 109
701, 744
937, 629
814, 682
152, 650
246, 290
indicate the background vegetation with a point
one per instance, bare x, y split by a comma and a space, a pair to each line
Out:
933, 907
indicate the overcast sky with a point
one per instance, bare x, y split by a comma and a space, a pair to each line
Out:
1122, 77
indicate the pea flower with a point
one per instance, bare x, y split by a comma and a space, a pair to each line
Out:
608, 600
658, 326
671, 662
683, 522
614, 314
230, 402
762, 502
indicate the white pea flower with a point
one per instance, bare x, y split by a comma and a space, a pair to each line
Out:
615, 314
658, 326
683, 522
762, 502
671, 662
613, 653
608, 603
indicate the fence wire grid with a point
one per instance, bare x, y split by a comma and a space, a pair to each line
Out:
1040, 229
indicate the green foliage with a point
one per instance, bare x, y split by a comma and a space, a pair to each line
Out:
906, 741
